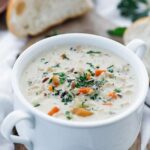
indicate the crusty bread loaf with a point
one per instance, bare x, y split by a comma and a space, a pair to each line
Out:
31, 17
141, 30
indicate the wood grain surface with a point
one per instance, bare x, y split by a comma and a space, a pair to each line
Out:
90, 23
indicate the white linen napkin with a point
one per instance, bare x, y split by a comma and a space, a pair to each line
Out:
10, 48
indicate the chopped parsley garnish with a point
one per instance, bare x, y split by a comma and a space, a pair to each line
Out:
83, 104
62, 77
81, 81
68, 97
91, 65
117, 90
46, 62
119, 31
45, 74
68, 115
91, 72
57, 92
94, 96
50, 81
93, 52
37, 105
111, 69
70, 81
72, 49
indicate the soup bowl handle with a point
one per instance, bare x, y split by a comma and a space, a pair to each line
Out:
138, 46
10, 122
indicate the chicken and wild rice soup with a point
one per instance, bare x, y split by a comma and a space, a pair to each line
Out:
79, 83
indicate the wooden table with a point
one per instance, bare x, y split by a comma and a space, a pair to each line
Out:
90, 23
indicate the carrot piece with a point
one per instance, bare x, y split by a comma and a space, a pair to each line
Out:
55, 80
51, 88
107, 104
98, 72
113, 95
85, 90
82, 112
53, 111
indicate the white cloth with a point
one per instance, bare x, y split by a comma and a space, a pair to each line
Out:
108, 9
10, 48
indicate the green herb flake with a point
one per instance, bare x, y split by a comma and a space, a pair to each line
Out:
94, 96
117, 90
46, 62
81, 81
45, 74
62, 77
50, 81
68, 97
93, 52
91, 65
68, 115
83, 104
91, 72
57, 92
37, 105
119, 31
111, 69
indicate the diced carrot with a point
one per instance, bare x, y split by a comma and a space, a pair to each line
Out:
53, 111
107, 104
98, 72
85, 90
55, 80
88, 75
113, 95
51, 88
82, 112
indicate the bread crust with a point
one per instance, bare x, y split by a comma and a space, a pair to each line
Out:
8, 16
136, 23
11, 27
60, 22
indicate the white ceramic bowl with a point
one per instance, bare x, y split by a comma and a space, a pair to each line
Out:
41, 132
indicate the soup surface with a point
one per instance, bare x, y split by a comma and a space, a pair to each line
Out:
79, 83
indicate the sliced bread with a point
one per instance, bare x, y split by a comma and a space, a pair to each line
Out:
31, 17
141, 30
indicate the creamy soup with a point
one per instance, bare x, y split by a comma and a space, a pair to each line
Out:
79, 83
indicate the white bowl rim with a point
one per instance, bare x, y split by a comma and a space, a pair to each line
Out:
98, 123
